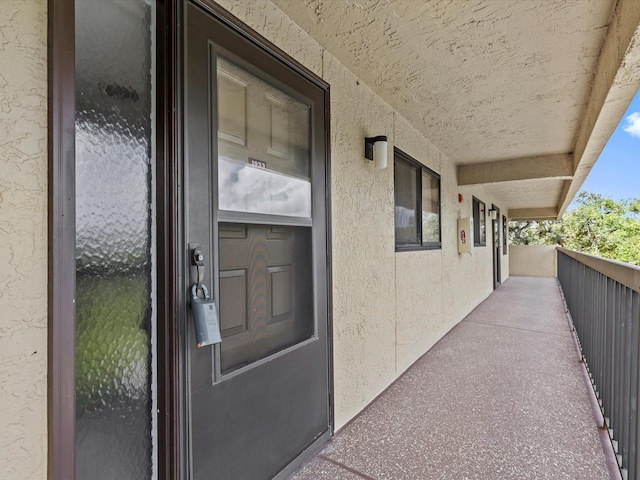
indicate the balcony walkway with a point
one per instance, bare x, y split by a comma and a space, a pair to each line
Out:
501, 396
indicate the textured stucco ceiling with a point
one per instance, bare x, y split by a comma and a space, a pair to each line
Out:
528, 193
485, 80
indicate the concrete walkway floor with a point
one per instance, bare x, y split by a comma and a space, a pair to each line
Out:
501, 396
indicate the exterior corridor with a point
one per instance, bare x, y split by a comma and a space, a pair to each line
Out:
501, 396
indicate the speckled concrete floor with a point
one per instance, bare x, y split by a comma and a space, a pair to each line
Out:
502, 396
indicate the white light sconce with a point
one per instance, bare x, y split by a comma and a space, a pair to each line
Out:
375, 148
493, 214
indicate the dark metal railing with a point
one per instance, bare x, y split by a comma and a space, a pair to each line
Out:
602, 297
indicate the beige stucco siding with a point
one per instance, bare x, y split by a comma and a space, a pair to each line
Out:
533, 260
363, 249
467, 279
23, 234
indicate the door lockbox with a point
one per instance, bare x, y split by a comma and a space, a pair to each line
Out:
204, 310
205, 317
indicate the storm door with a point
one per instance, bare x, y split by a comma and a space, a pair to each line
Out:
255, 183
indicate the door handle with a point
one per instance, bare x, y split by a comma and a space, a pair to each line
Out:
197, 260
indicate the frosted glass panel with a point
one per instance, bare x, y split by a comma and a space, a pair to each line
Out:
263, 146
115, 313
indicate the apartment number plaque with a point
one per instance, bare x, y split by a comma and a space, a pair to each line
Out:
257, 163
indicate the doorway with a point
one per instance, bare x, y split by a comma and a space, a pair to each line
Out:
256, 207
497, 258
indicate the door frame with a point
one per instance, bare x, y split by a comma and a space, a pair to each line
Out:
497, 258
172, 460
61, 233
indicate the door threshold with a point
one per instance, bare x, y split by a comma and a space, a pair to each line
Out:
306, 454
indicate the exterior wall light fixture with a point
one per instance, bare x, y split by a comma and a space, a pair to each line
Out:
375, 148
493, 214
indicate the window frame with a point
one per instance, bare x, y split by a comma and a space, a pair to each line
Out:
421, 169
476, 209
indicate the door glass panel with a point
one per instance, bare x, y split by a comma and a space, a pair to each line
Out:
263, 146
266, 291
115, 271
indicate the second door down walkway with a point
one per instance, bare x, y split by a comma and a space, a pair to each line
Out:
501, 396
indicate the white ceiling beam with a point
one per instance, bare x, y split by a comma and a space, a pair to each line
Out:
558, 166
616, 81
521, 214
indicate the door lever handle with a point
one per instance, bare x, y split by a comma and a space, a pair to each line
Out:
197, 260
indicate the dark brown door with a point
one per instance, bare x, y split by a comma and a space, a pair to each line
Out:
255, 186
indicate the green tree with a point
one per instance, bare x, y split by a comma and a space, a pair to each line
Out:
598, 225
533, 232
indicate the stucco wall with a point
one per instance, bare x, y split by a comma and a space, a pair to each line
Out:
363, 253
23, 233
389, 308
533, 260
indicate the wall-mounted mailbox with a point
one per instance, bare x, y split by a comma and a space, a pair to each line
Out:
465, 235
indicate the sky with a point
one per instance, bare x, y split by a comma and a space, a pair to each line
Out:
616, 173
